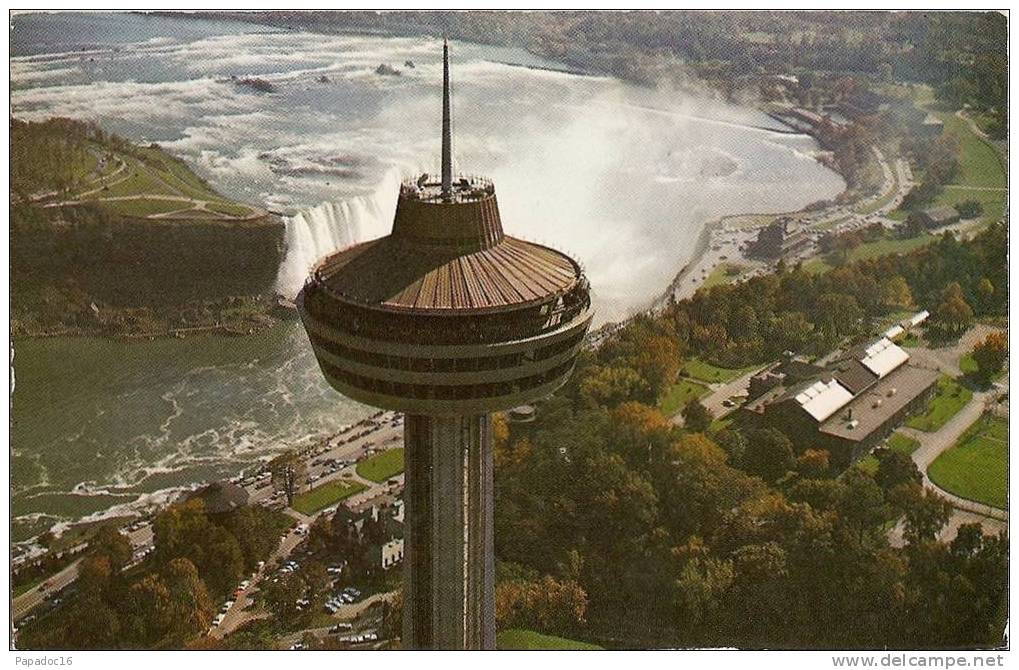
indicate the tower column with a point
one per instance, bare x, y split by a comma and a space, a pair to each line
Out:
449, 585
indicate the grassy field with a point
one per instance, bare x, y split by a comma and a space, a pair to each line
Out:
951, 396
724, 273
980, 166
679, 395
976, 467
151, 172
142, 206
381, 467
896, 442
516, 639
325, 495
873, 250
707, 372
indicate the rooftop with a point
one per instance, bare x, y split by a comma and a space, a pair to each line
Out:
395, 273
872, 409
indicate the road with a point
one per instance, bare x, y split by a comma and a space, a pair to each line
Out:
27, 601
385, 431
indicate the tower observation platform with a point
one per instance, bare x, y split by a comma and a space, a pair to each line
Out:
447, 319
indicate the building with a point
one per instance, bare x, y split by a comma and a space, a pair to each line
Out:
392, 552
447, 319
936, 217
846, 408
778, 240
220, 497
931, 126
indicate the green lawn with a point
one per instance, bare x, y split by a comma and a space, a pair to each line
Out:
976, 467
909, 340
724, 273
968, 365
229, 208
979, 163
516, 639
381, 467
325, 495
951, 396
679, 395
145, 206
896, 442
704, 371
874, 249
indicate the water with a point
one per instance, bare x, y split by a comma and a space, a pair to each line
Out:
622, 178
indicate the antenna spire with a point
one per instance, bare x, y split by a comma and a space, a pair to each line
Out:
447, 135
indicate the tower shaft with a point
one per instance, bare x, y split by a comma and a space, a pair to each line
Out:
448, 554
447, 131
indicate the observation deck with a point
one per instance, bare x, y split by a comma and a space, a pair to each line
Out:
447, 314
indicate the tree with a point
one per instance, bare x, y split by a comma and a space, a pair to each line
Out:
990, 355
281, 597
110, 542
288, 471
969, 209
926, 514
610, 386
838, 315
895, 293
546, 604
190, 608
985, 295
953, 314
894, 469
696, 417
813, 463
769, 454
148, 610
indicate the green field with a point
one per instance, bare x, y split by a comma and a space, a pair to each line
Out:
381, 467
516, 639
142, 206
976, 467
325, 495
874, 249
679, 394
706, 372
951, 396
980, 166
724, 273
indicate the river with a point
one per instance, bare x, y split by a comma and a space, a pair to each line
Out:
621, 177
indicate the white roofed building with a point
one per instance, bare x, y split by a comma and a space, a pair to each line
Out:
848, 407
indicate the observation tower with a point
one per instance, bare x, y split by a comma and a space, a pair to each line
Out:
447, 319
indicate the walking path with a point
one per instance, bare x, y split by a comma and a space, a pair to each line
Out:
933, 444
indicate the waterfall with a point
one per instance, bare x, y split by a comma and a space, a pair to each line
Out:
318, 231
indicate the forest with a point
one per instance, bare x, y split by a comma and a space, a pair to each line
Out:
657, 536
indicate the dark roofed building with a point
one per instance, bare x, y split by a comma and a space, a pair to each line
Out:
777, 240
854, 376
936, 217
220, 497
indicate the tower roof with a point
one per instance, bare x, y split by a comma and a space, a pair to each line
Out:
447, 251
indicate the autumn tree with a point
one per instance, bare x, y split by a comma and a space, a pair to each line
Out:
189, 605
768, 454
990, 355
895, 293
953, 314
696, 417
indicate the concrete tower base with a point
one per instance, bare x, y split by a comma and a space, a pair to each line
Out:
449, 591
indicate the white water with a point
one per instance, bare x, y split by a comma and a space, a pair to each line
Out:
621, 178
